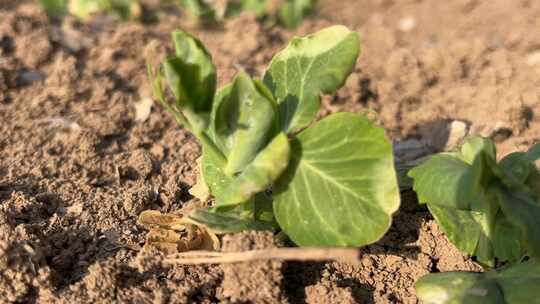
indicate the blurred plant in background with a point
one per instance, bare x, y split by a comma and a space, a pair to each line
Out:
84, 9
288, 13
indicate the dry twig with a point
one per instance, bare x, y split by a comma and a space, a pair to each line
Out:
349, 255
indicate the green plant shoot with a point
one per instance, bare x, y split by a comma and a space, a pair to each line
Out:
265, 160
487, 209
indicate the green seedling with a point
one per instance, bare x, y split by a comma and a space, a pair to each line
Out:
289, 13
487, 209
266, 162
516, 284
292, 12
84, 9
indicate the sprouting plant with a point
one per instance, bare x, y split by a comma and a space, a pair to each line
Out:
265, 161
84, 9
292, 12
289, 13
487, 209
514, 284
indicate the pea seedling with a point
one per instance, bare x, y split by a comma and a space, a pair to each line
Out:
489, 210
265, 161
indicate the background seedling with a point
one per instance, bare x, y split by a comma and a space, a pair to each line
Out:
487, 209
84, 9
265, 161
513, 284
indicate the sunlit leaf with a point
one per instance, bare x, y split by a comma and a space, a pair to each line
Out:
307, 67
260, 174
515, 284
245, 120
340, 188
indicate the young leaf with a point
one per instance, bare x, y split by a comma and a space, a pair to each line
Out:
524, 212
292, 12
191, 74
226, 222
54, 7
245, 120
458, 288
310, 66
515, 284
83, 9
340, 188
259, 174
198, 10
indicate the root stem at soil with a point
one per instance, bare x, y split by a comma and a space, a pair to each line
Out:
349, 255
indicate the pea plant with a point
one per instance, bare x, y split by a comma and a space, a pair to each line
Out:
489, 210
84, 9
265, 161
288, 13
513, 284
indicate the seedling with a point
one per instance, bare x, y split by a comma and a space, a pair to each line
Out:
487, 209
265, 161
84, 9
514, 284
289, 13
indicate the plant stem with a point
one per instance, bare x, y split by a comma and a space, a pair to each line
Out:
349, 255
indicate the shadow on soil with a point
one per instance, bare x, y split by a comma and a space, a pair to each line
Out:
404, 230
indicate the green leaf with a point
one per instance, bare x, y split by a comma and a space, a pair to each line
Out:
54, 7
259, 174
515, 284
458, 288
524, 212
245, 120
256, 6
213, 173
191, 74
198, 10
292, 12
445, 180
461, 227
310, 66
474, 146
520, 283
226, 222
83, 9
340, 188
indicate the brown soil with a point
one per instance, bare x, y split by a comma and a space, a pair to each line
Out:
77, 167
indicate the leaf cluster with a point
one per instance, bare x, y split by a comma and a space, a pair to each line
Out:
490, 210
487, 209
265, 161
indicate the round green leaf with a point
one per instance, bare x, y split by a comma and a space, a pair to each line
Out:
307, 67
340, 188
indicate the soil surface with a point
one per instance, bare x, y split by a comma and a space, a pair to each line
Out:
79, 162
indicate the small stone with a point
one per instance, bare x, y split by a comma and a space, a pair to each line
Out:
444, 135
533, 58
407, 24
143, 109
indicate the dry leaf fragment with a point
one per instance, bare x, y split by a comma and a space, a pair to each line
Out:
171, 233
200, 190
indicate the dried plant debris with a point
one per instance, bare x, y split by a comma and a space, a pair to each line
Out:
171, 233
